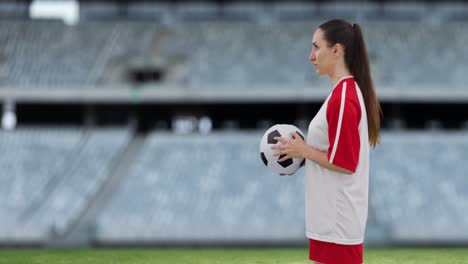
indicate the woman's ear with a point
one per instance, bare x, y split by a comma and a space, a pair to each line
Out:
337, 50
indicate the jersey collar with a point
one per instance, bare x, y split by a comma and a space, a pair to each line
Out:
342, 79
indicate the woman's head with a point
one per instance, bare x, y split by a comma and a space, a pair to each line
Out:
333, 42
323, 55
331, 45
337, 41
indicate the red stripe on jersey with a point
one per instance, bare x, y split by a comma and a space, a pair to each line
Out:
343, 117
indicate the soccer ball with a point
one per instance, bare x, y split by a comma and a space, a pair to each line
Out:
289, 166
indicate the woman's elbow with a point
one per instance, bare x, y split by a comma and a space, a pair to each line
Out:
343, 170
346, 171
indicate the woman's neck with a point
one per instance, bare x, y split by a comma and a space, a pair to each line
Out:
338, 74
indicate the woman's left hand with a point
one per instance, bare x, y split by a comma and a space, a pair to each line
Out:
294, 148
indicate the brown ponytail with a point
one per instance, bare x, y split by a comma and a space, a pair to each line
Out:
357, 61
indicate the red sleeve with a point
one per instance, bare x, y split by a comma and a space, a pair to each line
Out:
343, 117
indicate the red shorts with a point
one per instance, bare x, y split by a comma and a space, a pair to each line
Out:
331, 253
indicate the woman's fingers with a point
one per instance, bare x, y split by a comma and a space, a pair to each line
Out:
283, 148
295, 135
284, 158
278, 147
281, 139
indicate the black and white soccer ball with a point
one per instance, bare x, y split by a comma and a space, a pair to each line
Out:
286, 167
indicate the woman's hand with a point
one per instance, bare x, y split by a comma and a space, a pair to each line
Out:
294, 148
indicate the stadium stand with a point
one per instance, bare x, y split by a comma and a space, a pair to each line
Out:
279, 55
38, 54
34, 158
203, 189
98, 54
223, 192
53, 176
419, 186
82, 180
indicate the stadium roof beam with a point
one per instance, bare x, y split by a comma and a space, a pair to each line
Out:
177, 94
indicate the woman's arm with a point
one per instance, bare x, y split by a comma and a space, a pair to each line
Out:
321, 159
297, 148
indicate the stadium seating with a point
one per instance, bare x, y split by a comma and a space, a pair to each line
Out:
212, 189
85, 175
33, 158
53, 175
194, 188
224, 54
50, 54
278, 55
419, 186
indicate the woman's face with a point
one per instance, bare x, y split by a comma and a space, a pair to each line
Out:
321, 55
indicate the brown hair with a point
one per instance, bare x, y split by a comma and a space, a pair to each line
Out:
356, 59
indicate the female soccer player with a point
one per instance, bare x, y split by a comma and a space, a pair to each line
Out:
337, 147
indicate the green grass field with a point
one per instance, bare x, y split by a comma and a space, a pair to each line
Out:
218, 255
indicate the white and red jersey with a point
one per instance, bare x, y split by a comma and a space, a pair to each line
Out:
336, 203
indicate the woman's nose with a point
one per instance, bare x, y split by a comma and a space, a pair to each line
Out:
312, 56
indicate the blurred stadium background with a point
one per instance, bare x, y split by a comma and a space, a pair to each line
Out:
136, 123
